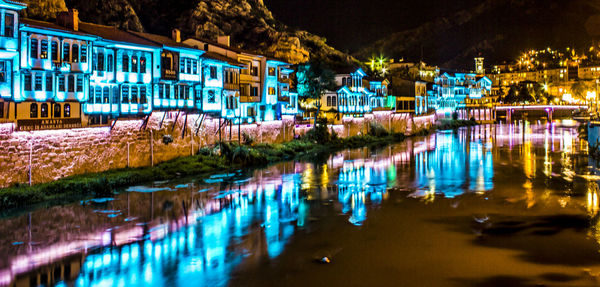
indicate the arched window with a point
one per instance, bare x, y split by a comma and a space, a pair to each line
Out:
75, 53
44, 50
57, 110
44, 110
125, 63
33, 110
134, 64
67, 110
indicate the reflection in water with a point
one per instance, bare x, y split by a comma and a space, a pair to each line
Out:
201, 233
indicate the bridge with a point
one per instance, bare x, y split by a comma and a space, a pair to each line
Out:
549, 109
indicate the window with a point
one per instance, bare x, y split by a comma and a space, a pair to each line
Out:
84, 53
161, 90
71, 84
44, 52
134, 95
272, 71
100, 62
115, 95
38, 82
213, 72
134, 64
66, 52
143, 95
211, 97
254, 92
125, 94
33, 110
44, 110
110, 63
125, 63
195, 67
57, 110
34, 48
105, 95
143, 65
176, 92
188, 66
67, 110
97, 95
329, 101
80, 84
54, 50
271, 91
167, 91
182, 65
49, 83
254, 71
61, 83
75, 53
3, 72
9, 25
27, 82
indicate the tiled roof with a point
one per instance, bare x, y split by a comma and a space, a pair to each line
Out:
215, 43
162, 40
114, 34
48, 25
219, 57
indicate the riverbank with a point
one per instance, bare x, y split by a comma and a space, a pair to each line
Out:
451, 124
219, 158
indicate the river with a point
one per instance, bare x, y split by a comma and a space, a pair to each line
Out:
494, 205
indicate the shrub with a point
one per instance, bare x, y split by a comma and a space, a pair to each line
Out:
377, 130
247, 139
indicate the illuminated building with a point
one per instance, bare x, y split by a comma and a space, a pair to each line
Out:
55, 72
352, 98
381, 100
220, 87
9, 57
122, 74
287, 97
452, 91
180, 81
411, 96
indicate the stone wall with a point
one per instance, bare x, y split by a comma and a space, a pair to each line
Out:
59, 153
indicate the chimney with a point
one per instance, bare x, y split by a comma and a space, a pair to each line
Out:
68, 19
176, 35
223, 40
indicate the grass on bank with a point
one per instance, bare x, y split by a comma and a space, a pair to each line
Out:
316, 143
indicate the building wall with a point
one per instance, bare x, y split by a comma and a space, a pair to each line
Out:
60, 153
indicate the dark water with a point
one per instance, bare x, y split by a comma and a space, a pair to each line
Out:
497, 205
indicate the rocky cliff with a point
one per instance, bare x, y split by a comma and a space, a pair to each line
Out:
249, 23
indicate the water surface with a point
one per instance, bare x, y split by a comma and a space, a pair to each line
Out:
496, 205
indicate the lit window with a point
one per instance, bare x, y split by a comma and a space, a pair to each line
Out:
67, 110
34, 48
33, 110
3, 71
271, 91
211, 97
143, 65
66, 52
134, 64
272, 71
44, 52
105, 95
75, 53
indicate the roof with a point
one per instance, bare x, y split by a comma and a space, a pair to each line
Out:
114, 34
162, 40
48, 25
219, 57
231, 48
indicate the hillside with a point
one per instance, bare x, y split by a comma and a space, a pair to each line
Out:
499, 30
249, 23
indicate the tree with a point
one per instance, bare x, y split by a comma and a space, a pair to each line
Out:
511, 96
314, 79
525, 95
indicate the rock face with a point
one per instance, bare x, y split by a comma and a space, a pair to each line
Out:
43, 9
249, 23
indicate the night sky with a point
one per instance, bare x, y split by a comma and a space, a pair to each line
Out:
351, 24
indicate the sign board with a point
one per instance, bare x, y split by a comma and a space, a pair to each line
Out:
48, 124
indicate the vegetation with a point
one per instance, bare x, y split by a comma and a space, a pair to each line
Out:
453, 124
314, 78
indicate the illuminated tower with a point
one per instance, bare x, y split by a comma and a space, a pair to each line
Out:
479, 66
